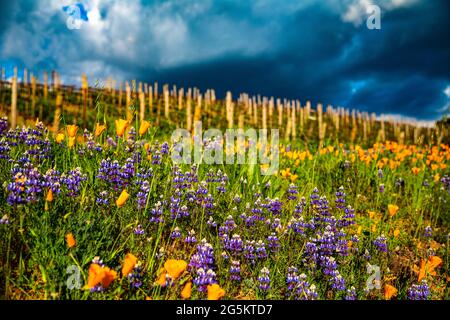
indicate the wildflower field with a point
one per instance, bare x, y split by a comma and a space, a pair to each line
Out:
94, 207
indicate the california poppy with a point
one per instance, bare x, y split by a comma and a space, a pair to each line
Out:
392, 209
70, 240
389, 291
415, 170
99, 128
162, 278
144, 127
215, 292
100, 275
60, 137
396, 233
109, 277
72, 130
121, 126
427, 267
120, 202
49, 196
95, 276
71, 142
186, 292
175, 267
128, 264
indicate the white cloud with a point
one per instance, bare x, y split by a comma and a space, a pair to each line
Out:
355, 11
447, 91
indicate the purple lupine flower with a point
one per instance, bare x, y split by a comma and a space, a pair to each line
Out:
305, 291
202, 279
337, 281
176, 234
380, 174
275, 224
4, 149
315, 197
329, 265
72, 181
297, 225
3, 125
235, 244
381, 188
264, 279
229, 224
138, 230
142, 195
135, 277
419, 291
428, 231
103, 198
52, 180
190, 238
164, 148
445, 180
260, 248
348, 218
156, 157
111, 142
249, 251
351, 294
340, 198
211, 222
275, 206
381, 243
4, 220
366, 255
201, 260
235, 271
156, 213
292, 192
292, 279
274, 242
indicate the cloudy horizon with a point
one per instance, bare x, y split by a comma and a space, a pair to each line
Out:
314, 50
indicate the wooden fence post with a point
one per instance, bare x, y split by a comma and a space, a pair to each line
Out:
14, 100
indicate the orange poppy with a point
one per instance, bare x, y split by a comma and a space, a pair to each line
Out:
128, 264
49, 196
96, 275
71, 142
72, 130
186, 292
175, 267
99, 128
100, 275
389, 291
70, 240
60, 137
109, 277
392, 209
121, 126
427, 267
162, 278
215, 292
415, 170
396, 233
120, 202
144, 127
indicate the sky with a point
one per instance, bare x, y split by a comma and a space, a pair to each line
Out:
316, 50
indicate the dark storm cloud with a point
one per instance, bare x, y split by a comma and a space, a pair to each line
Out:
309, 50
